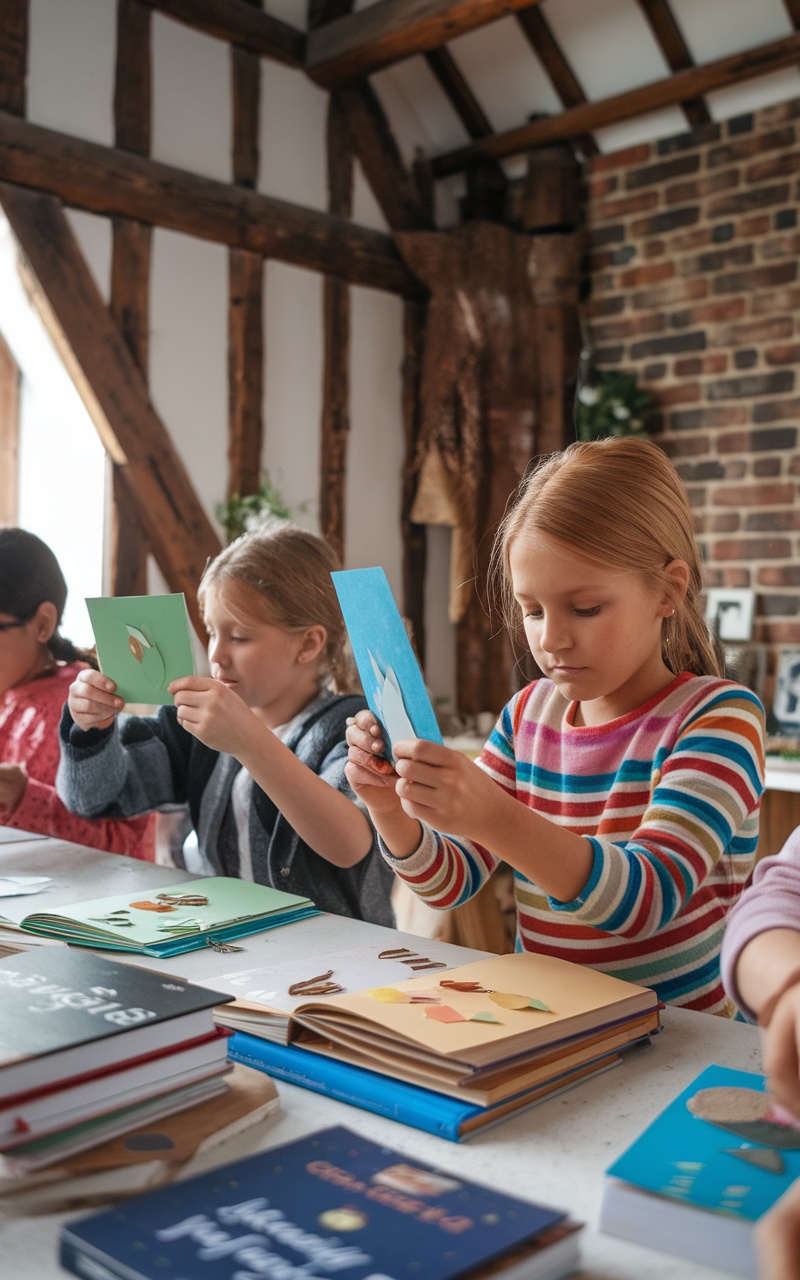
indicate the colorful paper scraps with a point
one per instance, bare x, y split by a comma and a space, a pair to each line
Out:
484, 1016
444, 1013
389, 995
321, 985
464, 986
508, 1001
152, 906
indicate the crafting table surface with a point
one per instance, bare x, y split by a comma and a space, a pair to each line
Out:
555, 1153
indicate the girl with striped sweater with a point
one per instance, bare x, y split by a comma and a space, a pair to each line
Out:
623, 786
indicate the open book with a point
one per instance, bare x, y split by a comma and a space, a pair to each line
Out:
167, 921
482, 1032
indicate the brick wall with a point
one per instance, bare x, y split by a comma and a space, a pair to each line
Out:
694, 281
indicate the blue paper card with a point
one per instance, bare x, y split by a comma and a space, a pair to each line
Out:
328, 1206
736, 1166
390, 674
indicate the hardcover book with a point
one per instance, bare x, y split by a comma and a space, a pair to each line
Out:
182, 917
695, 1181
66, 1014
329, 1204
483, 1031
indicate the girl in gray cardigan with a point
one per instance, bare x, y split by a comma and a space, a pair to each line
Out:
257, 750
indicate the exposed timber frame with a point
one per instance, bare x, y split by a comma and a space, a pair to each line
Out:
113, 388
676, 51
681, 87
237, 22
107, 180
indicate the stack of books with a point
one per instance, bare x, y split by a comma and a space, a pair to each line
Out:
90, 1048
327, 1205
696, 1181
453, 1053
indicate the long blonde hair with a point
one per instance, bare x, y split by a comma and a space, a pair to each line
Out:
283, 576
621, 503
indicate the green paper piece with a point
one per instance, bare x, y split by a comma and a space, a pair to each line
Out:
537, 1004
484, 1016
143, 643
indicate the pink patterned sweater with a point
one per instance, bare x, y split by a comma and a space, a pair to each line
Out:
29, 719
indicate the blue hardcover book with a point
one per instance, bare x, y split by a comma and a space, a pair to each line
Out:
390, 674
409, 1104
694, 1182
326, 1205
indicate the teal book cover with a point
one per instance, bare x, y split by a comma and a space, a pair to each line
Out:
143, 644
720, 1145
389, 671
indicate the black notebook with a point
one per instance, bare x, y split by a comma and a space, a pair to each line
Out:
66, 1013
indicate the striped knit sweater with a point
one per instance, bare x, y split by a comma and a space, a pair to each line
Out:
668, 797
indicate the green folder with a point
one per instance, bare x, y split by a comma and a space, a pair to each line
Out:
121, 923
143, 643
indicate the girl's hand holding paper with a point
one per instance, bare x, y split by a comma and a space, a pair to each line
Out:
212, 712
93, 701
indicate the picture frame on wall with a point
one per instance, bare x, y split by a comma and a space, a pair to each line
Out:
786, 703
730, 610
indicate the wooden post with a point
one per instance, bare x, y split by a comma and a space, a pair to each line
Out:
415, 545
130, 273
336, 324
9, 435
13, 56
245, 294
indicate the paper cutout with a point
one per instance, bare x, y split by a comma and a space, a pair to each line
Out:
463, 986
183, 899
443, 1013
485, 1016
745, 1112
222, 948
152, 906
395, 954
143, 643
766, 1158
318, 986
390, 674
389, 995
508, 1001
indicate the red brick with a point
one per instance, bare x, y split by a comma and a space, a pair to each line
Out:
779, 247
781, 166
645, 275
756, 225
778, 633
786, 353
683, 393
621, 159
715, 364
728, 522
605, 306
630, 327
744, 201
696, 239
663, 295
753, 549
787, 575
752, 145
755, 495
752, 330
653, 248
729, 309
777, 411
732, 577
669, 220
756, 278
601, 186
736, 470
685, 446
773, 522
621, 207
698, 188
688, 367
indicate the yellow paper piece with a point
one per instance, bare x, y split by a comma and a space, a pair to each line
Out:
389, 995
508, 1001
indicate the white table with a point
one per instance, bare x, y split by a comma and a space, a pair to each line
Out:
555, 1153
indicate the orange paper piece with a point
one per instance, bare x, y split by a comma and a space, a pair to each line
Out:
389, 995
508, 1001
152, 906
443, 1013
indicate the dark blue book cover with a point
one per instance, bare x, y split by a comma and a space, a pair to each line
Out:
328, 1205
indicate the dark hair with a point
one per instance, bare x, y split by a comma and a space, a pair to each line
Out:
29, 576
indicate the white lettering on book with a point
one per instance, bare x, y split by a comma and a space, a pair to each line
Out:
50, 998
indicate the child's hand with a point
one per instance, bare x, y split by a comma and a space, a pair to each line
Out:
92, 700
213, 713
13, 781
368, 771
443, 788
777, 1237
782, 1051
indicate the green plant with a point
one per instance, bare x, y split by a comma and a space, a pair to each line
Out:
244, 513
610, 403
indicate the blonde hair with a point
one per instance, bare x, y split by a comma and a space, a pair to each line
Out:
283, 576
621, 503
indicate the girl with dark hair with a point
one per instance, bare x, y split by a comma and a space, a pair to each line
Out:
37, 666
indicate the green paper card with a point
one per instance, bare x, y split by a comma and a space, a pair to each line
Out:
143, 643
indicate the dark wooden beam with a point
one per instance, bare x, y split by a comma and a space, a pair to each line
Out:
336, 329
130, 272
793, 10
13, 56
462, 99
372, 140
245, 295
114, 390
9, 435
415, 544
390, 30
563, 79
239, 23
681, 87
110, 181
676, 51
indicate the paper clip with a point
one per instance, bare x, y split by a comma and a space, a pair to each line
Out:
222, 948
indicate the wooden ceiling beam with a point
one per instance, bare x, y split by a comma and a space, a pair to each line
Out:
239, 23
97, 356
461, 98
563, 79
13, 55
373, 143
391, 30
678, 88
676, 51
109, 181
793, 10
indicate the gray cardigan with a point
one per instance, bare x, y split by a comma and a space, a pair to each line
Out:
149, 763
